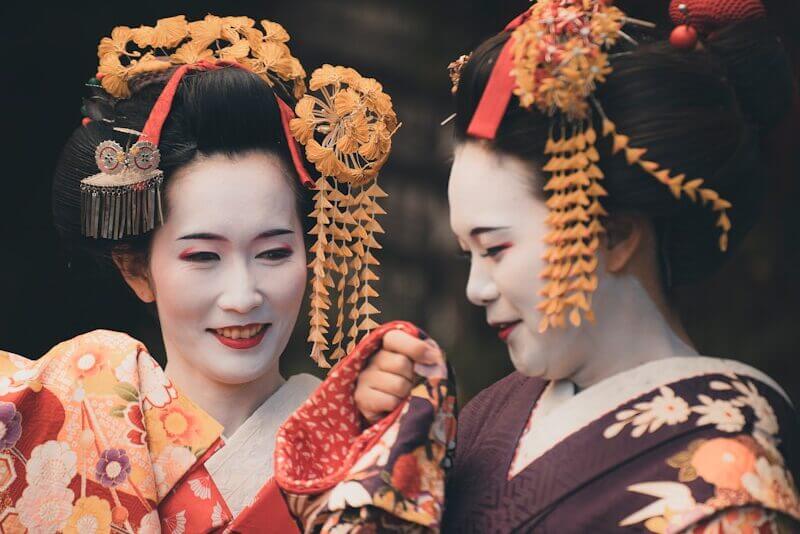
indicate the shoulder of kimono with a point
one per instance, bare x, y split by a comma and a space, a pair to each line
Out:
108, 343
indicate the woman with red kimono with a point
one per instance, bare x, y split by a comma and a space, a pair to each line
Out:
599, 163
199, 202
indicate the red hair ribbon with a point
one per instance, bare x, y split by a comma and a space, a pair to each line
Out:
497, 94
162, 107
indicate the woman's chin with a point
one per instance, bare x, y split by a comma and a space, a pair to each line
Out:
527, 363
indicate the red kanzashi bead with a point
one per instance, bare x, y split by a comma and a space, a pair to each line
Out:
684, 37
85, 121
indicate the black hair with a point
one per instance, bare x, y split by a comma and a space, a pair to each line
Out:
228, 111
703, 113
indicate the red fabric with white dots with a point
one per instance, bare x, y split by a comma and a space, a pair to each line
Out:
710, 15
320, 442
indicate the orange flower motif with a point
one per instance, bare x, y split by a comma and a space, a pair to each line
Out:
206, 31
354, 120
113, 76
274, 31
167, 33
117, 43
174, 41
178, 424
722, 462
147, 63
191, 52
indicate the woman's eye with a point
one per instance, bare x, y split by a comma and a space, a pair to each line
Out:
275, 254
200, 257
494, 251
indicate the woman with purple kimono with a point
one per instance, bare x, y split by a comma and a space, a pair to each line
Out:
613, 421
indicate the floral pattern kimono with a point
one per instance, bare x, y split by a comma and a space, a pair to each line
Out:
692, 444
94, 437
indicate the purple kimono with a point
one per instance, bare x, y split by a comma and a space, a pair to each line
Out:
679, 445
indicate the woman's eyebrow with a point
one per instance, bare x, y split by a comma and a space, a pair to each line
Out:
215, 237
484, 229
274, 232
202, 235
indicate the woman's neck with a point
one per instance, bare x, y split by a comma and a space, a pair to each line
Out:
229, 404
632, 329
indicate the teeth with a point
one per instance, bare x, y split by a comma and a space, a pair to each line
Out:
239, 332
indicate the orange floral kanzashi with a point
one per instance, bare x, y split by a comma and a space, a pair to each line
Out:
346, 125
128, 53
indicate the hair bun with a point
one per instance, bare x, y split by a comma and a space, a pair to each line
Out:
758, 68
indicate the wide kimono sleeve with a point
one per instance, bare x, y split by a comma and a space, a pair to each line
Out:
733, 472
390, 477
93, 433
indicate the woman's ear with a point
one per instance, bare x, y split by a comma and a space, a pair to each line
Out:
135, 276
624, 236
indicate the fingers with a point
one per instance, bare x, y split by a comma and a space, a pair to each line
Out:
374, 404
395, 385
392, 362
424, 352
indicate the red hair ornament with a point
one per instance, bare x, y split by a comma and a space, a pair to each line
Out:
702, 17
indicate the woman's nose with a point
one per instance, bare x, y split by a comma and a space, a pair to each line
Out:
481, 289
241, 293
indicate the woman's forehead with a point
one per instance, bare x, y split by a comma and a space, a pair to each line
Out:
487, 188
239, 193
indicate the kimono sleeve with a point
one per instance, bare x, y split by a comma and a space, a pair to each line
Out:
389, 476
755, 519
93, 431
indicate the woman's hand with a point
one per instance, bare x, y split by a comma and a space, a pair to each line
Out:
388, 377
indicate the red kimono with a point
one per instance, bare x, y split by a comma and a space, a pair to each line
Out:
95, 438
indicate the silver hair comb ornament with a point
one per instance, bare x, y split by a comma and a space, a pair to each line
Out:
124, 198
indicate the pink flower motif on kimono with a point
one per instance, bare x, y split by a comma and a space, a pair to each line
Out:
52, 463
45, 508
10, 425
156, 389
113, 467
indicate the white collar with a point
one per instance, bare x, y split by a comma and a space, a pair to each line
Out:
244, 465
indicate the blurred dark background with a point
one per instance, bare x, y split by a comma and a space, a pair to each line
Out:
749, 311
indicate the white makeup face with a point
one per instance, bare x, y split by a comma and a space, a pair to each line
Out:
230, 255
500, 224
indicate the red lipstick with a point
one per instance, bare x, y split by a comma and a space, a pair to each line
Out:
505, 330
241, 343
